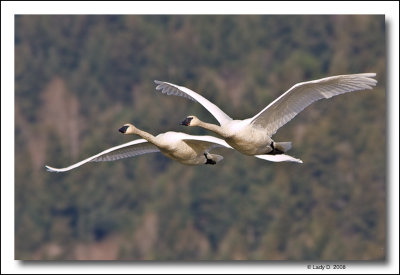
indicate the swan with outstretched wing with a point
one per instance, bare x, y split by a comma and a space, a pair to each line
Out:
252, 136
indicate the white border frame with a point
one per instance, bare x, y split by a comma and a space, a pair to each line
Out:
8, 11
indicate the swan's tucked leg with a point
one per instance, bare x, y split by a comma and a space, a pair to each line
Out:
278, 148
209, 160
212, 158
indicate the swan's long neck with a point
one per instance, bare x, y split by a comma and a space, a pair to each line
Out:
213, 127
149, 137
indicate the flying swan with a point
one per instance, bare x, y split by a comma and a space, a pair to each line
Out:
252, 136
186, 149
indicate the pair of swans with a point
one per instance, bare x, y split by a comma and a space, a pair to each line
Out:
250, 136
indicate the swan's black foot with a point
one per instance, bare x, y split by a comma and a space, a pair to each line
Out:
274, 150
209, 161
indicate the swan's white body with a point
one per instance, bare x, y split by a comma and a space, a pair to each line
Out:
247, 139
252, 136
188, 149
184, 148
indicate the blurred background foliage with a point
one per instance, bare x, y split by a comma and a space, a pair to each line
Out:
79, 78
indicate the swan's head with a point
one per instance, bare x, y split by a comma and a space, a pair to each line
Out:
127, 129
191, 121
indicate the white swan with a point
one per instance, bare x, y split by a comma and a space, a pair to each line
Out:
186, 149
252, 136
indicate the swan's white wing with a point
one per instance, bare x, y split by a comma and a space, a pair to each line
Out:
292, 102
172, 89
206, 142
278, 158
130, 149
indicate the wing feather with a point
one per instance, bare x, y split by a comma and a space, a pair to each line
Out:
126, 150
172, 89
278, 158
301, 95
206, 142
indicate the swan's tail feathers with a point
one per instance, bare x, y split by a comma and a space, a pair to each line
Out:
283, 146
278, 158
213, 158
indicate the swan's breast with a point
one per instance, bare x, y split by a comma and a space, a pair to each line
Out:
172, 146
249, 140
182, 153
236, 126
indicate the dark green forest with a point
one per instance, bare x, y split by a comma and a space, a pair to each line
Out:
79, 78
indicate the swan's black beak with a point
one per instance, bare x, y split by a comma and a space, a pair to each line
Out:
123, 129
187, 121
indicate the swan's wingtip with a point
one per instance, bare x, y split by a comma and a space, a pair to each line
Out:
297, 160
51, 169
370, 77
159, 83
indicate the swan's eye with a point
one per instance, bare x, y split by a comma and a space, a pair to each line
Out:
187, 121
123, 129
